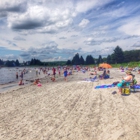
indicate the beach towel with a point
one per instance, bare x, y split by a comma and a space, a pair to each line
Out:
104, 86
83, 71
39, 85
136, 87
91, 79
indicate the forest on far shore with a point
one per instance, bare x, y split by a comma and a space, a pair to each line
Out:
117, 57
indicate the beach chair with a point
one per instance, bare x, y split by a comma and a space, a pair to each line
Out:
128, 87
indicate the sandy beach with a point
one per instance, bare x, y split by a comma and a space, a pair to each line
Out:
72, 110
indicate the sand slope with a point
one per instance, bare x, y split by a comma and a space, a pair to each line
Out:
71, 110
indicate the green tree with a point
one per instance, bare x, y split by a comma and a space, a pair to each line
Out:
89, 60
99, 60
82, 61
17, 63
76, 60
108, 60
9, 63
68, 62
118, 55
1, 62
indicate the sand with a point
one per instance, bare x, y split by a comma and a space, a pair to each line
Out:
72, 110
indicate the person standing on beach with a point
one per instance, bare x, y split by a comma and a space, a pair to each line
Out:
54, 70
36, 72
21, 75
16, 75
21, 79
65, 74
59, 71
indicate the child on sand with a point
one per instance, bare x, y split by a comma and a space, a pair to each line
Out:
53, 79
20, 82
37, 81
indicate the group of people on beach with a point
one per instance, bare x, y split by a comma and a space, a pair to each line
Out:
66, 71
21, 75
104, 75
127, 81
59, 70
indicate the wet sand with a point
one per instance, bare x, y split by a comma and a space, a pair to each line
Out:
72, 110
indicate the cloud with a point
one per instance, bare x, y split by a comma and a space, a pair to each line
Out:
19, 38
3, 14
32, 18
13, 6
131, 28
84, 6
11, 43
62, 38
94, 41
49, 53
25, 54
74, 35
56, 29
103, 52
11, 57
91, 41
84, 23
42, 18
106, 51
136, 45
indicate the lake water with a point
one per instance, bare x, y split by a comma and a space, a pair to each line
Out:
8, 75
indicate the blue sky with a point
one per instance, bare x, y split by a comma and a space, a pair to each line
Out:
53, 30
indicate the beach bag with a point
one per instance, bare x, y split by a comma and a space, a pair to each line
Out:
135, 81
126, 91
106, 76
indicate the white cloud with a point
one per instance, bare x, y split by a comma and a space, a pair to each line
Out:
84, 23
131, 28
67, 25
85, 5
136, 45
12, 57
41, 18
5, 4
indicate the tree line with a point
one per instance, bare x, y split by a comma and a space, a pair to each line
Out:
9, 63
32, 62
117, 57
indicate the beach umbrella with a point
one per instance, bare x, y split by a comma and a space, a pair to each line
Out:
100, 65
105, 65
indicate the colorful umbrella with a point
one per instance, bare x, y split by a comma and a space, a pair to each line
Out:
105, 65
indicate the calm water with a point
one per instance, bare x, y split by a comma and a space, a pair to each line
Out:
8, 75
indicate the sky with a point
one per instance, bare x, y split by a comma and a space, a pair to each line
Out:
55, 30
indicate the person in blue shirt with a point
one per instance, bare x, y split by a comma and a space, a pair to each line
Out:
65, 74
